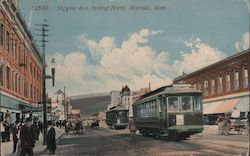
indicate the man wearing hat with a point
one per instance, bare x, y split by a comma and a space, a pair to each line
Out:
14, 131
27, 138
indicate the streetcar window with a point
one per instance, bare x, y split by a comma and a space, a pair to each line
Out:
196, 103
173, 104
186, 103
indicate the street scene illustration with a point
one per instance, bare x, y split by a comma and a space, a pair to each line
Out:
124, 77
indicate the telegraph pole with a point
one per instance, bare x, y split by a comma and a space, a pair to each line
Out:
44, 98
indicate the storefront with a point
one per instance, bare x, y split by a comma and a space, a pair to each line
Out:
16, 108
213, 109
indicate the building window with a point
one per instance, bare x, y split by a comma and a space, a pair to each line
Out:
31, 92
199, 85
1, 74
13, 81
31, 68
206, 88
227, 76
25, 88
219, 84
7, 41
8, 76
19, 84
212, 86
14, 49
1, 35
245, 76
236, 78
16, 83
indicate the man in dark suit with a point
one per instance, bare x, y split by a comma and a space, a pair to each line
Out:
27, 138
51, 139
14, 131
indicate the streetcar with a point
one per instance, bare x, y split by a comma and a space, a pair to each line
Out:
173, 111
117, 117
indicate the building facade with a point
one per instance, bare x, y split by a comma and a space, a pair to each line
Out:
20, 64
224, 85
115, 98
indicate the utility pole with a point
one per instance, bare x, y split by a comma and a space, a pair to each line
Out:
65, 104
44, 97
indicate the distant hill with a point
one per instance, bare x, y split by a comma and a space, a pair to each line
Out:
91, 103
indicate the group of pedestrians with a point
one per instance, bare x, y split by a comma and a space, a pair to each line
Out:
75, 126
26, 134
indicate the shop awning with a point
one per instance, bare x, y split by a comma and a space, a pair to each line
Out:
243, 105
227, 106
210, 107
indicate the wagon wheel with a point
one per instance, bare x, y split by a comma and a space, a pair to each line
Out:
220, 131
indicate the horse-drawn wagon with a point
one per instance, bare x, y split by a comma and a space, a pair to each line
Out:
225, 125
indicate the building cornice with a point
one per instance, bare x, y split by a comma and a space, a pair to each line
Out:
21, 29
212, 65
225, 97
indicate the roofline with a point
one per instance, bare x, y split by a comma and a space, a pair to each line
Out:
211, 65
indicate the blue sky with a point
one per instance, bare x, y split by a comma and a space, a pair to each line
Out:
98, 50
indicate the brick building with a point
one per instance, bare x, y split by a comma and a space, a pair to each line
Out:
20, 64
225, 85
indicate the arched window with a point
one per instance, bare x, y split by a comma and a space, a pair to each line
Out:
219, 83
206, 88
13, 81
236, 78
212, 86
7, 41
1, 35
19, 85
245, 76
227, 78
1, 73
8, 76
16, 83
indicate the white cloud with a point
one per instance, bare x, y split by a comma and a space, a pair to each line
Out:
200, 56
133, 63
244, 43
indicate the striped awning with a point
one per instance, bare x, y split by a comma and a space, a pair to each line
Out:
209, 108
243, 105
227, 106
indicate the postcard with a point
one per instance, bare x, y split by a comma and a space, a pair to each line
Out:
124, 77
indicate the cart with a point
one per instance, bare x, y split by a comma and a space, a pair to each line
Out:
225, 125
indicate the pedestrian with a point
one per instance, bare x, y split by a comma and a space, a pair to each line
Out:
51, 139
14, 131
236, 114
132, 129
35, 129
67, 125
27, 138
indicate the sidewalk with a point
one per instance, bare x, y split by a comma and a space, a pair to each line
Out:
6, 147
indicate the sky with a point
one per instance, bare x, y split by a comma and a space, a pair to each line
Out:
102, 45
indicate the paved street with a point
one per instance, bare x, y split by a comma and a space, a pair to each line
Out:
104, 141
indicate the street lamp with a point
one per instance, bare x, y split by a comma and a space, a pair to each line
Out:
52, 76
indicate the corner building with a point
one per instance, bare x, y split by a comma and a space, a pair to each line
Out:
225, 86
20, 64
